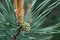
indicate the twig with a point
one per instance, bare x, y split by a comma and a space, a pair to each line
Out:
17, 33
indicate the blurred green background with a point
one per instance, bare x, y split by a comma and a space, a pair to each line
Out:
43, 16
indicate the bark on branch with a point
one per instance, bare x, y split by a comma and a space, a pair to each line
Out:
17, 33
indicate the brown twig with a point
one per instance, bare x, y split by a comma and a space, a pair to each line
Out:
17, 33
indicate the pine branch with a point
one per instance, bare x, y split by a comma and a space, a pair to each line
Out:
19, 16
17, 33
